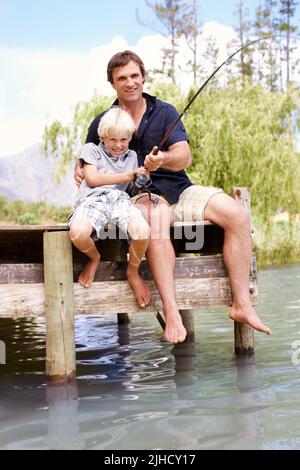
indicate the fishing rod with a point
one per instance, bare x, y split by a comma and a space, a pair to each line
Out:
226, 61
142, 180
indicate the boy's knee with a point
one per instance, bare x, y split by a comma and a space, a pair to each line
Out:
79, 230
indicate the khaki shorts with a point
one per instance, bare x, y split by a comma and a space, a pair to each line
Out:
192, 202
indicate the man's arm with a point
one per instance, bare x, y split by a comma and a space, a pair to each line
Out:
176, 158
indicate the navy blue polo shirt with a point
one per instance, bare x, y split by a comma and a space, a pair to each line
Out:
156, 121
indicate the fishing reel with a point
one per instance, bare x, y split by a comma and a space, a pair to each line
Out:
138, 185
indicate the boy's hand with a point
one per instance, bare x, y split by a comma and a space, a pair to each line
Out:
154, 160
78, 173
129, 176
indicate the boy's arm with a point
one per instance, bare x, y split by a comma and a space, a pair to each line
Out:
95, 178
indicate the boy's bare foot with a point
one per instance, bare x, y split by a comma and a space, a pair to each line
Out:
87, 276
175, 331
248, 315
138, 285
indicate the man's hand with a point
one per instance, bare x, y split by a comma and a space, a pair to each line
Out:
153, 162
78, 173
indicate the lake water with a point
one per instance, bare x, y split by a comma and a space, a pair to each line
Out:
135, 391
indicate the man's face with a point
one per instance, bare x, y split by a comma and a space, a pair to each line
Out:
128, 82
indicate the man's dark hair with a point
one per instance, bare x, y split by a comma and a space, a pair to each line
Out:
123, 58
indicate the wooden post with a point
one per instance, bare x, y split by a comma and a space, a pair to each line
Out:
243, 334
58, 282
188, 315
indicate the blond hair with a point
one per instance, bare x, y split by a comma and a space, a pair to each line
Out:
115, 122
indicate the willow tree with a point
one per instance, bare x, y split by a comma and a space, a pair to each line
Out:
65, 140
241, 137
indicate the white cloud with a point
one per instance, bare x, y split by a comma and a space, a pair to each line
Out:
49, 84
18, 134
39, 86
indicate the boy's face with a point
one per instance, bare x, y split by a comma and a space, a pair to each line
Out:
117, 144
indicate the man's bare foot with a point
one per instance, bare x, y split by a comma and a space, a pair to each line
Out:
248, 315
138, 285
175, 331
87, 276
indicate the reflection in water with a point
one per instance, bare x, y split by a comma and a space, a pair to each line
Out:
135, 391
63, 427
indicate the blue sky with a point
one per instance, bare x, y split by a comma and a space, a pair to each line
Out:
82, 24
53, 53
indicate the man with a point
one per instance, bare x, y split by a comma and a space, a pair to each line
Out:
126, 73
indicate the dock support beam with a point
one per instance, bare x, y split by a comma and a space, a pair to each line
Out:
187, 316
59, 303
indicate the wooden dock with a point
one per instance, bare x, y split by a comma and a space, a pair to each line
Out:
39, 267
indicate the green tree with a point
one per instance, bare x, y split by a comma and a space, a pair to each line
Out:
243, 30
287, 11
191, 30
65, 141
242, 138
172, 16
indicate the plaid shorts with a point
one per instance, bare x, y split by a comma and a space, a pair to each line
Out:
192, 202
110, 207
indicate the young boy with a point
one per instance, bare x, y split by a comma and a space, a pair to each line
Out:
108, 168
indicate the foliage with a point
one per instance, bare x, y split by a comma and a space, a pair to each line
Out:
243, 137
278, 243
32, 213
239, 136
65, 141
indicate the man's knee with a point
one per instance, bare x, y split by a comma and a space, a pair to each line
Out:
138, 229
161, 217
238, 216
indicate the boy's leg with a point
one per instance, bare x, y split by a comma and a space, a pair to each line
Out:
139, 233
80, 235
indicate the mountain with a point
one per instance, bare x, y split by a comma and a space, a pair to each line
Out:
30, 176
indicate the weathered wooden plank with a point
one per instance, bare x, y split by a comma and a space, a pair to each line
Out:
114, 297
24, 273
32, 228
63, 227
187, 267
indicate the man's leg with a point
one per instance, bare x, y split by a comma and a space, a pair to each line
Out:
227, 213
161, 259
